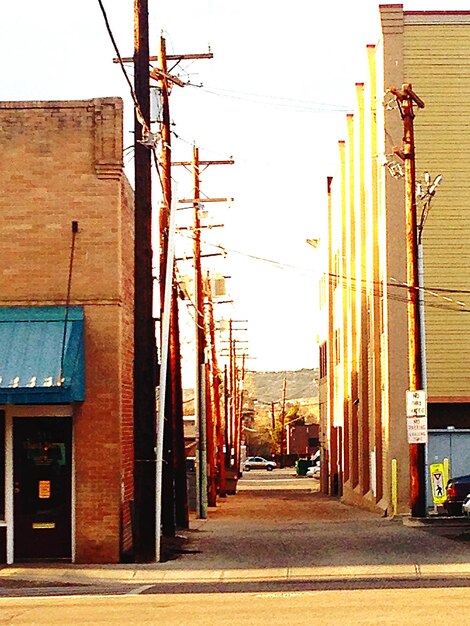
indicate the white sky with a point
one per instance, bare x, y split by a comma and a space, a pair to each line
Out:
282, 78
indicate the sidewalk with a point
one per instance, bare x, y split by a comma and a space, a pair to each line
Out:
278, 529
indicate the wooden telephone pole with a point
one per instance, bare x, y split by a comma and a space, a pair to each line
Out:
144, 327
174, 493
233, 399
145, 360
406, 99
283, 420
239, 415
215, 385
200, 387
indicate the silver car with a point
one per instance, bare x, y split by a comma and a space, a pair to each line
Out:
257, 462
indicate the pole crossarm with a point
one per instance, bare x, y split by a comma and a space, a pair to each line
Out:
189, 163
209, 226
407, 93
204, 200
191, 258
170, 57
159, 74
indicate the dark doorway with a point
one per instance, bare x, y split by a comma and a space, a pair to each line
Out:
42, 474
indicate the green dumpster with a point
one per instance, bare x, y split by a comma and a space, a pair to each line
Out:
301, 466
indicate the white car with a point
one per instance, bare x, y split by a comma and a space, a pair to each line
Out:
313, 472
466, 506
257, 462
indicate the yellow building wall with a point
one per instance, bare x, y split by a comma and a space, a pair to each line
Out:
437, 63
368, 249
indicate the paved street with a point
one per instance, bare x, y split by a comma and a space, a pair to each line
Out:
278, 548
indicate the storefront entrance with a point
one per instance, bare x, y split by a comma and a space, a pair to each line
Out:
42, 484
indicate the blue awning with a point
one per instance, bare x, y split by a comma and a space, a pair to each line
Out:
42, 357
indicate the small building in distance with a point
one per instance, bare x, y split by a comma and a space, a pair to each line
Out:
302, 439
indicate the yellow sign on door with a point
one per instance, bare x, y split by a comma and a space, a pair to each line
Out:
438, 482
44, 489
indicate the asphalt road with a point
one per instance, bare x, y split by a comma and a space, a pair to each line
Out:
391, 607
278, 552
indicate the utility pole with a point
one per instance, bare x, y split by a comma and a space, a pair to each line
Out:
235, 398
200, 334
283, 419
405, 100
174, 495
210, 445
144, 328
239, 419
227, 417
215, 386
145, 361
200, 403
231, 393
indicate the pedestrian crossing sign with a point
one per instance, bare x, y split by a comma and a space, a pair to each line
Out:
438, 483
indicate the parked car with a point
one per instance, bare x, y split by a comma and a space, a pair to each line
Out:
313, 472
466, 506
457, 490
257, 462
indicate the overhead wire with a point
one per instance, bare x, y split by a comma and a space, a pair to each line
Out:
391, 283
138, 110
274, 101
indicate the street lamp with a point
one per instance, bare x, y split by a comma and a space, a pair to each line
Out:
313, 242
425, 193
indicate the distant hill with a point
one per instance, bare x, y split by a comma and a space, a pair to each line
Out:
267, 386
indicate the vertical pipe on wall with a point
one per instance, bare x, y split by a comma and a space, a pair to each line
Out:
394, 487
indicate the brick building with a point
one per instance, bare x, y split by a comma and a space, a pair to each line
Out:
364, 355
66, 363
302, 439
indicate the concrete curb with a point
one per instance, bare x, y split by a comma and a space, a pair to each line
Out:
119, 575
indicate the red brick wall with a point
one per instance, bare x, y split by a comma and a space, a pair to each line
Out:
62, 161
127, 360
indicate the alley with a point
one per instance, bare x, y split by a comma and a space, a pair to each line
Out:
281, 526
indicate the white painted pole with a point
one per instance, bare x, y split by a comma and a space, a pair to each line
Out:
163, 375
422, 322
424, 368
203, 441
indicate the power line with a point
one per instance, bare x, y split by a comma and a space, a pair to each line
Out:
275, 101
335, 277
140, 117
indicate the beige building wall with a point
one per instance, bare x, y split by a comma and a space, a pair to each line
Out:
437, 60
369, 340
